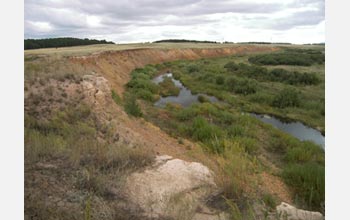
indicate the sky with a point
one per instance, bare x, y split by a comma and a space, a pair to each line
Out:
126, 21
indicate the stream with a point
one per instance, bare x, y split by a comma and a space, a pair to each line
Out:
186, 98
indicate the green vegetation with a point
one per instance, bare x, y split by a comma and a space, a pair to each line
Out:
116, 98
68, 141
288, 97
297, 57
132, 108
202, 98
294, 92
60, 42
236, 139
168, 88
309, 182
270, 201
141, 85
275, 75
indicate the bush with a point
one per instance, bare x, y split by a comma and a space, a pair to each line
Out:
288, 97
202, 98
132, 108
231, 66
241, 86
309, 182
168, 88
145, 95
143, 84
220, 80
191, 68
245, 87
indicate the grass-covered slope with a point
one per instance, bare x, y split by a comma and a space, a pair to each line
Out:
246, 146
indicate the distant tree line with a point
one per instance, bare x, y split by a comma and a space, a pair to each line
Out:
184, 41
60, 42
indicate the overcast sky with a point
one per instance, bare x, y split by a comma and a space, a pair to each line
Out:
125, 21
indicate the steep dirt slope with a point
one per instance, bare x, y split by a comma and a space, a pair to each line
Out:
116, 66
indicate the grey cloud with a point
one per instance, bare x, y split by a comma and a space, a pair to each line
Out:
119, 18
304, 18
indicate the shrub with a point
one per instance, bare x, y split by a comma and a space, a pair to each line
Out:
143, 84
288, 97
202, 98
245, 87
191, 68
231, 66
168, 88
132, 108
220, 80
241, 85
231, 82
145, 95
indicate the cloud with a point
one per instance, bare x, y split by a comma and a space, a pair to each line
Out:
148, 20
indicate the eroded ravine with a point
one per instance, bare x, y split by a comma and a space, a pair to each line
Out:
116, 66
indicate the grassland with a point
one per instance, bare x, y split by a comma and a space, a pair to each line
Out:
76, 155
243, 144
248, 90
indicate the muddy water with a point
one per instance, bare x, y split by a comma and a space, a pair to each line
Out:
296, 129
185, 97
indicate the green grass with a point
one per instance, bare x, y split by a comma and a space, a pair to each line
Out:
295, 57
295, 92
235, 138
68, 140
116, 98
132, 107
309, 182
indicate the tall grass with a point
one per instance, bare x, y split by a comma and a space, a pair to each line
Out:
308, 180
237, 169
